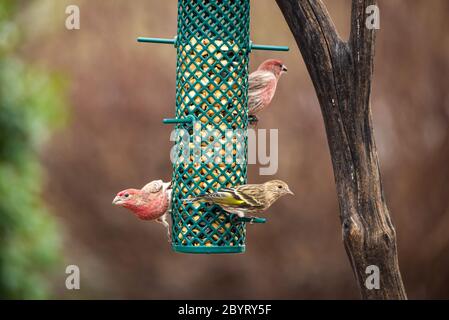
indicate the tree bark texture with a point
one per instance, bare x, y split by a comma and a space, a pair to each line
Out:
342, 73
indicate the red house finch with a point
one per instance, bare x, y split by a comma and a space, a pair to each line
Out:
262, 85
246, 199
152, 202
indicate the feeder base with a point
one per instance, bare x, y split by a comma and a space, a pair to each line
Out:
208, 250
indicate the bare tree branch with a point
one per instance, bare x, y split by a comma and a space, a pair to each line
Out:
342, 73
362, 44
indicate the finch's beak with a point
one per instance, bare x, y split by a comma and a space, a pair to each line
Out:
284, 68
116, 200
290, 192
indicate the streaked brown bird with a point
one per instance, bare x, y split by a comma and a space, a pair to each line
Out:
248, 199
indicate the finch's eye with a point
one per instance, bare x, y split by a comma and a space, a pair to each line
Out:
280, 187
126, 195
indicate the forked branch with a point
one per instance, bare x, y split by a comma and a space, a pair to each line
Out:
341, 73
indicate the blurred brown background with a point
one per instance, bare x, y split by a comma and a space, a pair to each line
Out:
120, 90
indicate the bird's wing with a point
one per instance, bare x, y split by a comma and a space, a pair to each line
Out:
224, 196
153, 186
252, 194
258, 81
242, 196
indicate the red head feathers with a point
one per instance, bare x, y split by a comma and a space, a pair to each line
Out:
273, 65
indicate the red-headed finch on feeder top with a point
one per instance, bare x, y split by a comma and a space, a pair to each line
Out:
152, 202
246, 199
262, 85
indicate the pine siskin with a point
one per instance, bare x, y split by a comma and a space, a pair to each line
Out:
246, 199
152, 202
262, 85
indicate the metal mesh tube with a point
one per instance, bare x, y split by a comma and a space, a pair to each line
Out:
212, 86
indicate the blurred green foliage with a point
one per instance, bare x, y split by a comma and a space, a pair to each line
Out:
31, 105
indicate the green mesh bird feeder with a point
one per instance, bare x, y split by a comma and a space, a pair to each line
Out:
213, 46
